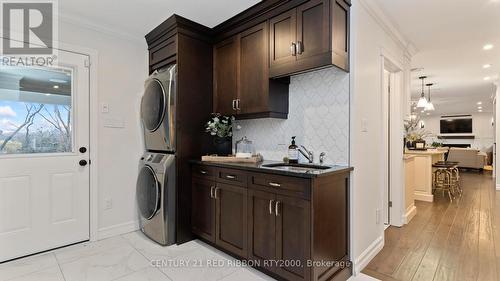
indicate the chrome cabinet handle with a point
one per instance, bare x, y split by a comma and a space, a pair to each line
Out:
231, 177
212, 191
277, 208
203, 172
271, 206
299, 47
275, 184
293, 49
215, 193
234, 104
238, 104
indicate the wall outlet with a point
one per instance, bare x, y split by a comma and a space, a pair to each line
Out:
108, 204
377, 216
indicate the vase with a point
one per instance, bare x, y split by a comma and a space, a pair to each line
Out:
223, 146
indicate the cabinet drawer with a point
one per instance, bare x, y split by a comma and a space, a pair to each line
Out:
203, 172
164, 50
232, 176
281, 184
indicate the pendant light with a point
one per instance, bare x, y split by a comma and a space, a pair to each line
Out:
429, 106
422, 102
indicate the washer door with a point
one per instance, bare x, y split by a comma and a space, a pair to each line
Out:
153, 105
148, 193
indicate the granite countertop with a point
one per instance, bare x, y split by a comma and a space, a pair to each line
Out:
260, 167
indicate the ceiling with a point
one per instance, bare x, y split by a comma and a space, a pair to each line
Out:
136, 18
449, 36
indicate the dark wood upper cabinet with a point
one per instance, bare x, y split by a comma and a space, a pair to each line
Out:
313, 31
226, 76
231, 233
241, 77
203, 214
282, 37
341, 29
315, 34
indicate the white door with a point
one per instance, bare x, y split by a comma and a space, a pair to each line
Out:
44, 155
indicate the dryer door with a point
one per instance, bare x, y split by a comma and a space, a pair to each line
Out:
153, 105
148, 193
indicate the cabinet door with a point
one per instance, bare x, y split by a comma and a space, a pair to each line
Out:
293, 236
282, 36
261, 226
340, 30
254, 70
203, 209
313, 32
231, 218
225, 76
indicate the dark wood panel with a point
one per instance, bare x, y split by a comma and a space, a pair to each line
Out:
204, 172
286, 185
254, 70
203, 210
232, 176
340, 33
282, 36
261, 226
313, 30
293, 236
163, 51
232, 218
226, 65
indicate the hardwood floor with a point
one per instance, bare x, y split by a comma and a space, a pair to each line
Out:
446, 241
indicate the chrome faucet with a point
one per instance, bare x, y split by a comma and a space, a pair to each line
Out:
308, 154
322, 157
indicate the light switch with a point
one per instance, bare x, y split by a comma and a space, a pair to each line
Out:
104, 107
364, 125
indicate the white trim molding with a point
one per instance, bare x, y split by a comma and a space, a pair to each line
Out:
368, 254
411, 211
117, 229
498, 186
424, 197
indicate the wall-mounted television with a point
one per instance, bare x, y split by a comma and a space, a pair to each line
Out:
456, 125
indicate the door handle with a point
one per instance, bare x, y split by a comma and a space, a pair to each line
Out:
271, 206
83, 163
212, 191
300, 47
277, 208
293, 49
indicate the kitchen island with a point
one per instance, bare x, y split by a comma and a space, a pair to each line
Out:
422, 164
292, 224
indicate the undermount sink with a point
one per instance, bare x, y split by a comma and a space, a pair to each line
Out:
296, 167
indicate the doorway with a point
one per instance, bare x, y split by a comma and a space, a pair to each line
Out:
44, 156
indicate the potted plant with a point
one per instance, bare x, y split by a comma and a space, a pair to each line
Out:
221, 129
414, 133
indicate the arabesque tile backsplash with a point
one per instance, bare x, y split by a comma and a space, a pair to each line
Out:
318, 116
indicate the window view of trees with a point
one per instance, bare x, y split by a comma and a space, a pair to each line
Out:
34, 128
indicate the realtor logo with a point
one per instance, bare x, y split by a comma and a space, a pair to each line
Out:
29, 30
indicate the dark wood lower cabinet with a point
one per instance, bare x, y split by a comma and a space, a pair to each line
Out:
203, 210
289, 227
231, 221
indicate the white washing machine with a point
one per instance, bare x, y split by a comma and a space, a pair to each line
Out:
156, 196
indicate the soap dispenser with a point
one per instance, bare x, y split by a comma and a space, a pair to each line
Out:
293, 152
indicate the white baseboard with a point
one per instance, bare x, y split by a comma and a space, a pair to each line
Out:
117, 229
424, 197
410, 213
368, 254
498, 186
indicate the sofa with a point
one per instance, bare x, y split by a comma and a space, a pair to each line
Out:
468, 157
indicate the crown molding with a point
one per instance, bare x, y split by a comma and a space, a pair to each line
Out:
386, 24
110, 31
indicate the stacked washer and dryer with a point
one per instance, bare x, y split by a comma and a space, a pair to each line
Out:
156, 183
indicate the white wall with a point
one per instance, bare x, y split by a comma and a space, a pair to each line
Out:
318, 116
482, 129
371, 36
122, 69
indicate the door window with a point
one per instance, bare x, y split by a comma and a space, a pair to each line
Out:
148, 193
35, 110
153, 105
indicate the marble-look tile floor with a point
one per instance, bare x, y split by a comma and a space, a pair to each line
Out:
132, 257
